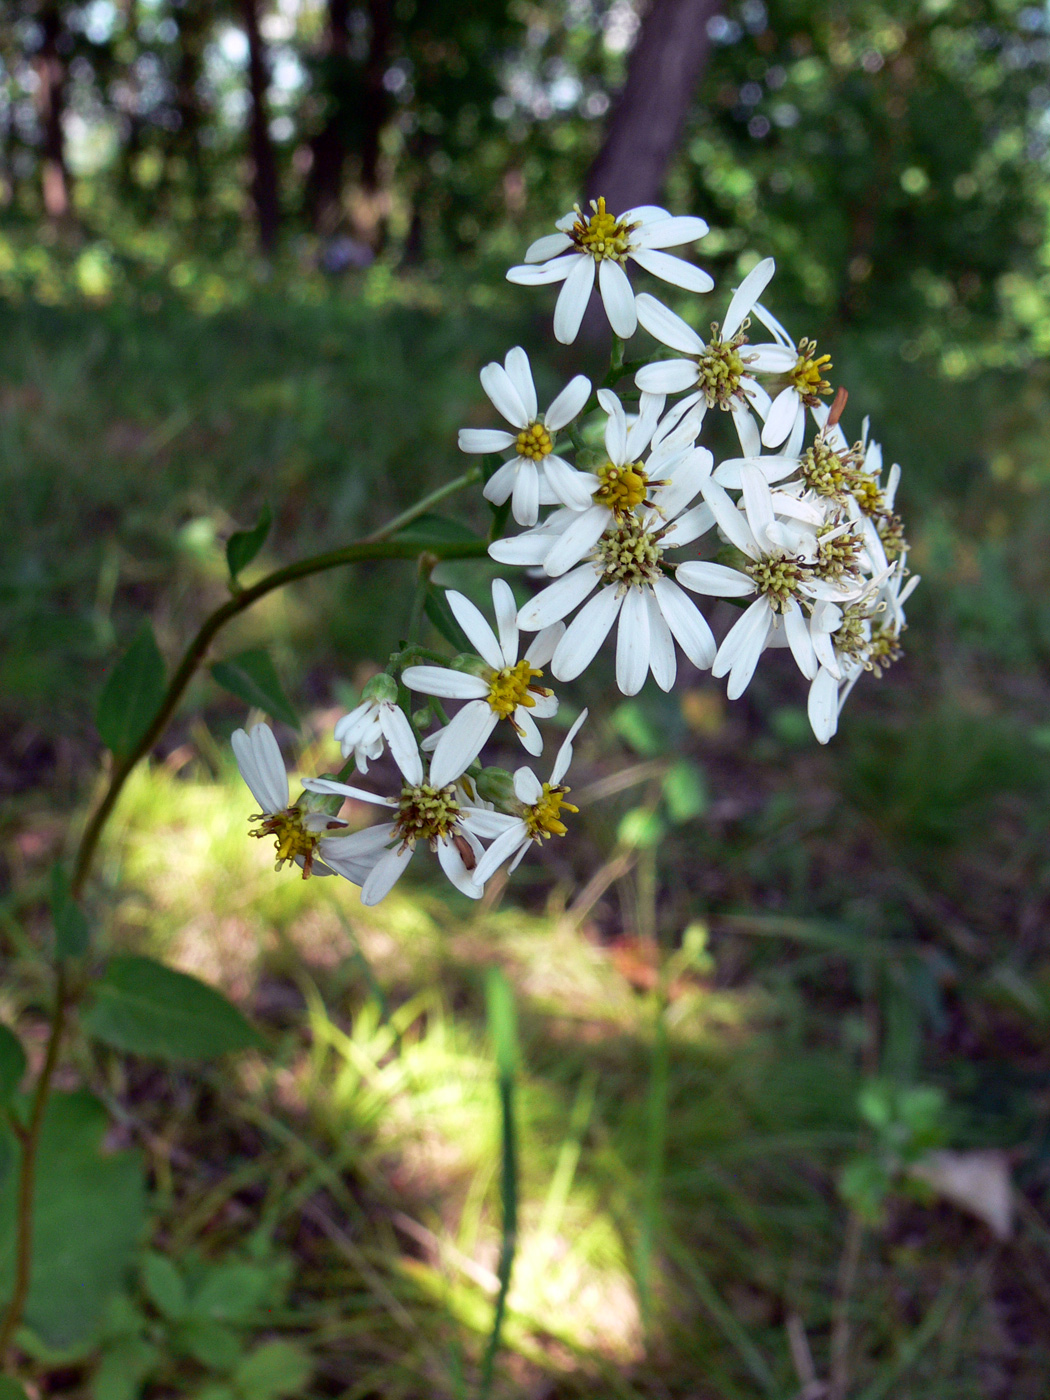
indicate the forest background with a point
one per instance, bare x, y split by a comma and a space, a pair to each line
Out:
253, 254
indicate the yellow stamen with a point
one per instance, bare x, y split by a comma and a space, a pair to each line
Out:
291, 837
542, 818
622, 488
425, 813
511, 687
601, 235
534, 442
808, 374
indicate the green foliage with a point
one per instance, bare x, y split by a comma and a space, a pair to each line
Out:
244, 545
443, 620
252, 677
145, 1008
88, 1213
429, 530
132, 694
72, 932
905, 1122
11, 1390
12, 1064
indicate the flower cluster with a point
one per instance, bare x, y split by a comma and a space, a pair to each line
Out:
616, 494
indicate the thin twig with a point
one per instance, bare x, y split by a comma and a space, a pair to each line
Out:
840, 1326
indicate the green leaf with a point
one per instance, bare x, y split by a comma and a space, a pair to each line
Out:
72, 933
233, 1293
274, 1369
11, 1390
12, 1064
502, 1022
244, 545
864, 1185
252, 678
124, 1366
148, 1009
685, 793
164, 1285
432, 531
213, 1345
132, 694
637, 730
88, 1214
640, 828
440, 614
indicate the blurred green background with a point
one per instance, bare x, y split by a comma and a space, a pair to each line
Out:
254, 252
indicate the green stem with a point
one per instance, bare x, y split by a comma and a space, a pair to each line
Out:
509, 1193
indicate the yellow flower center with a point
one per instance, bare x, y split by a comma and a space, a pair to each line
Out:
808, 374
628, 554
779, 579
424, 813
601, 234
291, 837
829, 473
868, 495
719, 369
622, 488
543, 818
534, 441
511, 687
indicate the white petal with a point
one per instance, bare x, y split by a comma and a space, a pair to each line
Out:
742, 647
549, 246
525, 500
542, 274
506, 610
670, 233
680, 425
568, 403
572, 488
746, 429
385, 874
781, 417
745, 296
799, 640
441, 680
261, 766
666, 327
758, 503
716, 580
674, 270
564, 758
640, 432
644, 214
519, 372
757, 398
332, 785
662, 660
505, 398
690, 526
527, 787
479, 633
401, 739
578, 540
667, 376
461, 741
557, 599
487, 825
770, 359
795, 438
823, 705
573, 298
484, 440
501, 483
617, 298
531, 548
772, 324
773, 469
512, 840
544, 706
632, 643
732, 523
544, 644
615, 427
452, 863
567, 222
530, 736
585, 634
684, 481
687, 624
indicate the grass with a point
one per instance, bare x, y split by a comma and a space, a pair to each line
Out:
701, 992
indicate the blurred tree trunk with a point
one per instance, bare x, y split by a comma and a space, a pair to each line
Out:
376, 103
324, 188
264, 161
50, 98
194, 23
647, 119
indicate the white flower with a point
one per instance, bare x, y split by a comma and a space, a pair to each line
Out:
783, 557
719, 372
506, 688
786, 419
298, 834
535, 476
424, 812
376, 722
597, 245
539, 817
625, 564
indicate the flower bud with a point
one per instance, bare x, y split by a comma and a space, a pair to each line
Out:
422, 719
497, 785
382, 689
326, 802
471, 664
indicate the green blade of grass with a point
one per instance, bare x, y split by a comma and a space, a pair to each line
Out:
503, 1030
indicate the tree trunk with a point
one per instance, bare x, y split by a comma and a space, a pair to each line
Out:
50, 98
647, 119
376, 101
264, 162
324, 187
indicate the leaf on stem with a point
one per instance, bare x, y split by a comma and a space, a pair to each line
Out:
438, 611
132, 694
251, 676
502, 1022
244, 545
431, 531
145, 1008
72, 932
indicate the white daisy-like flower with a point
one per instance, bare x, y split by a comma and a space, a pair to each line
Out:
625, 565
782, 571
539, 816
300, 835
597, 246
786, 418
376, 722
536, 475
719, 372
442, 817
506, 688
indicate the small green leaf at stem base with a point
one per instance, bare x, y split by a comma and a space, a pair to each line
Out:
252, 677
244, 545
143, 1007
72, 932
132, 694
